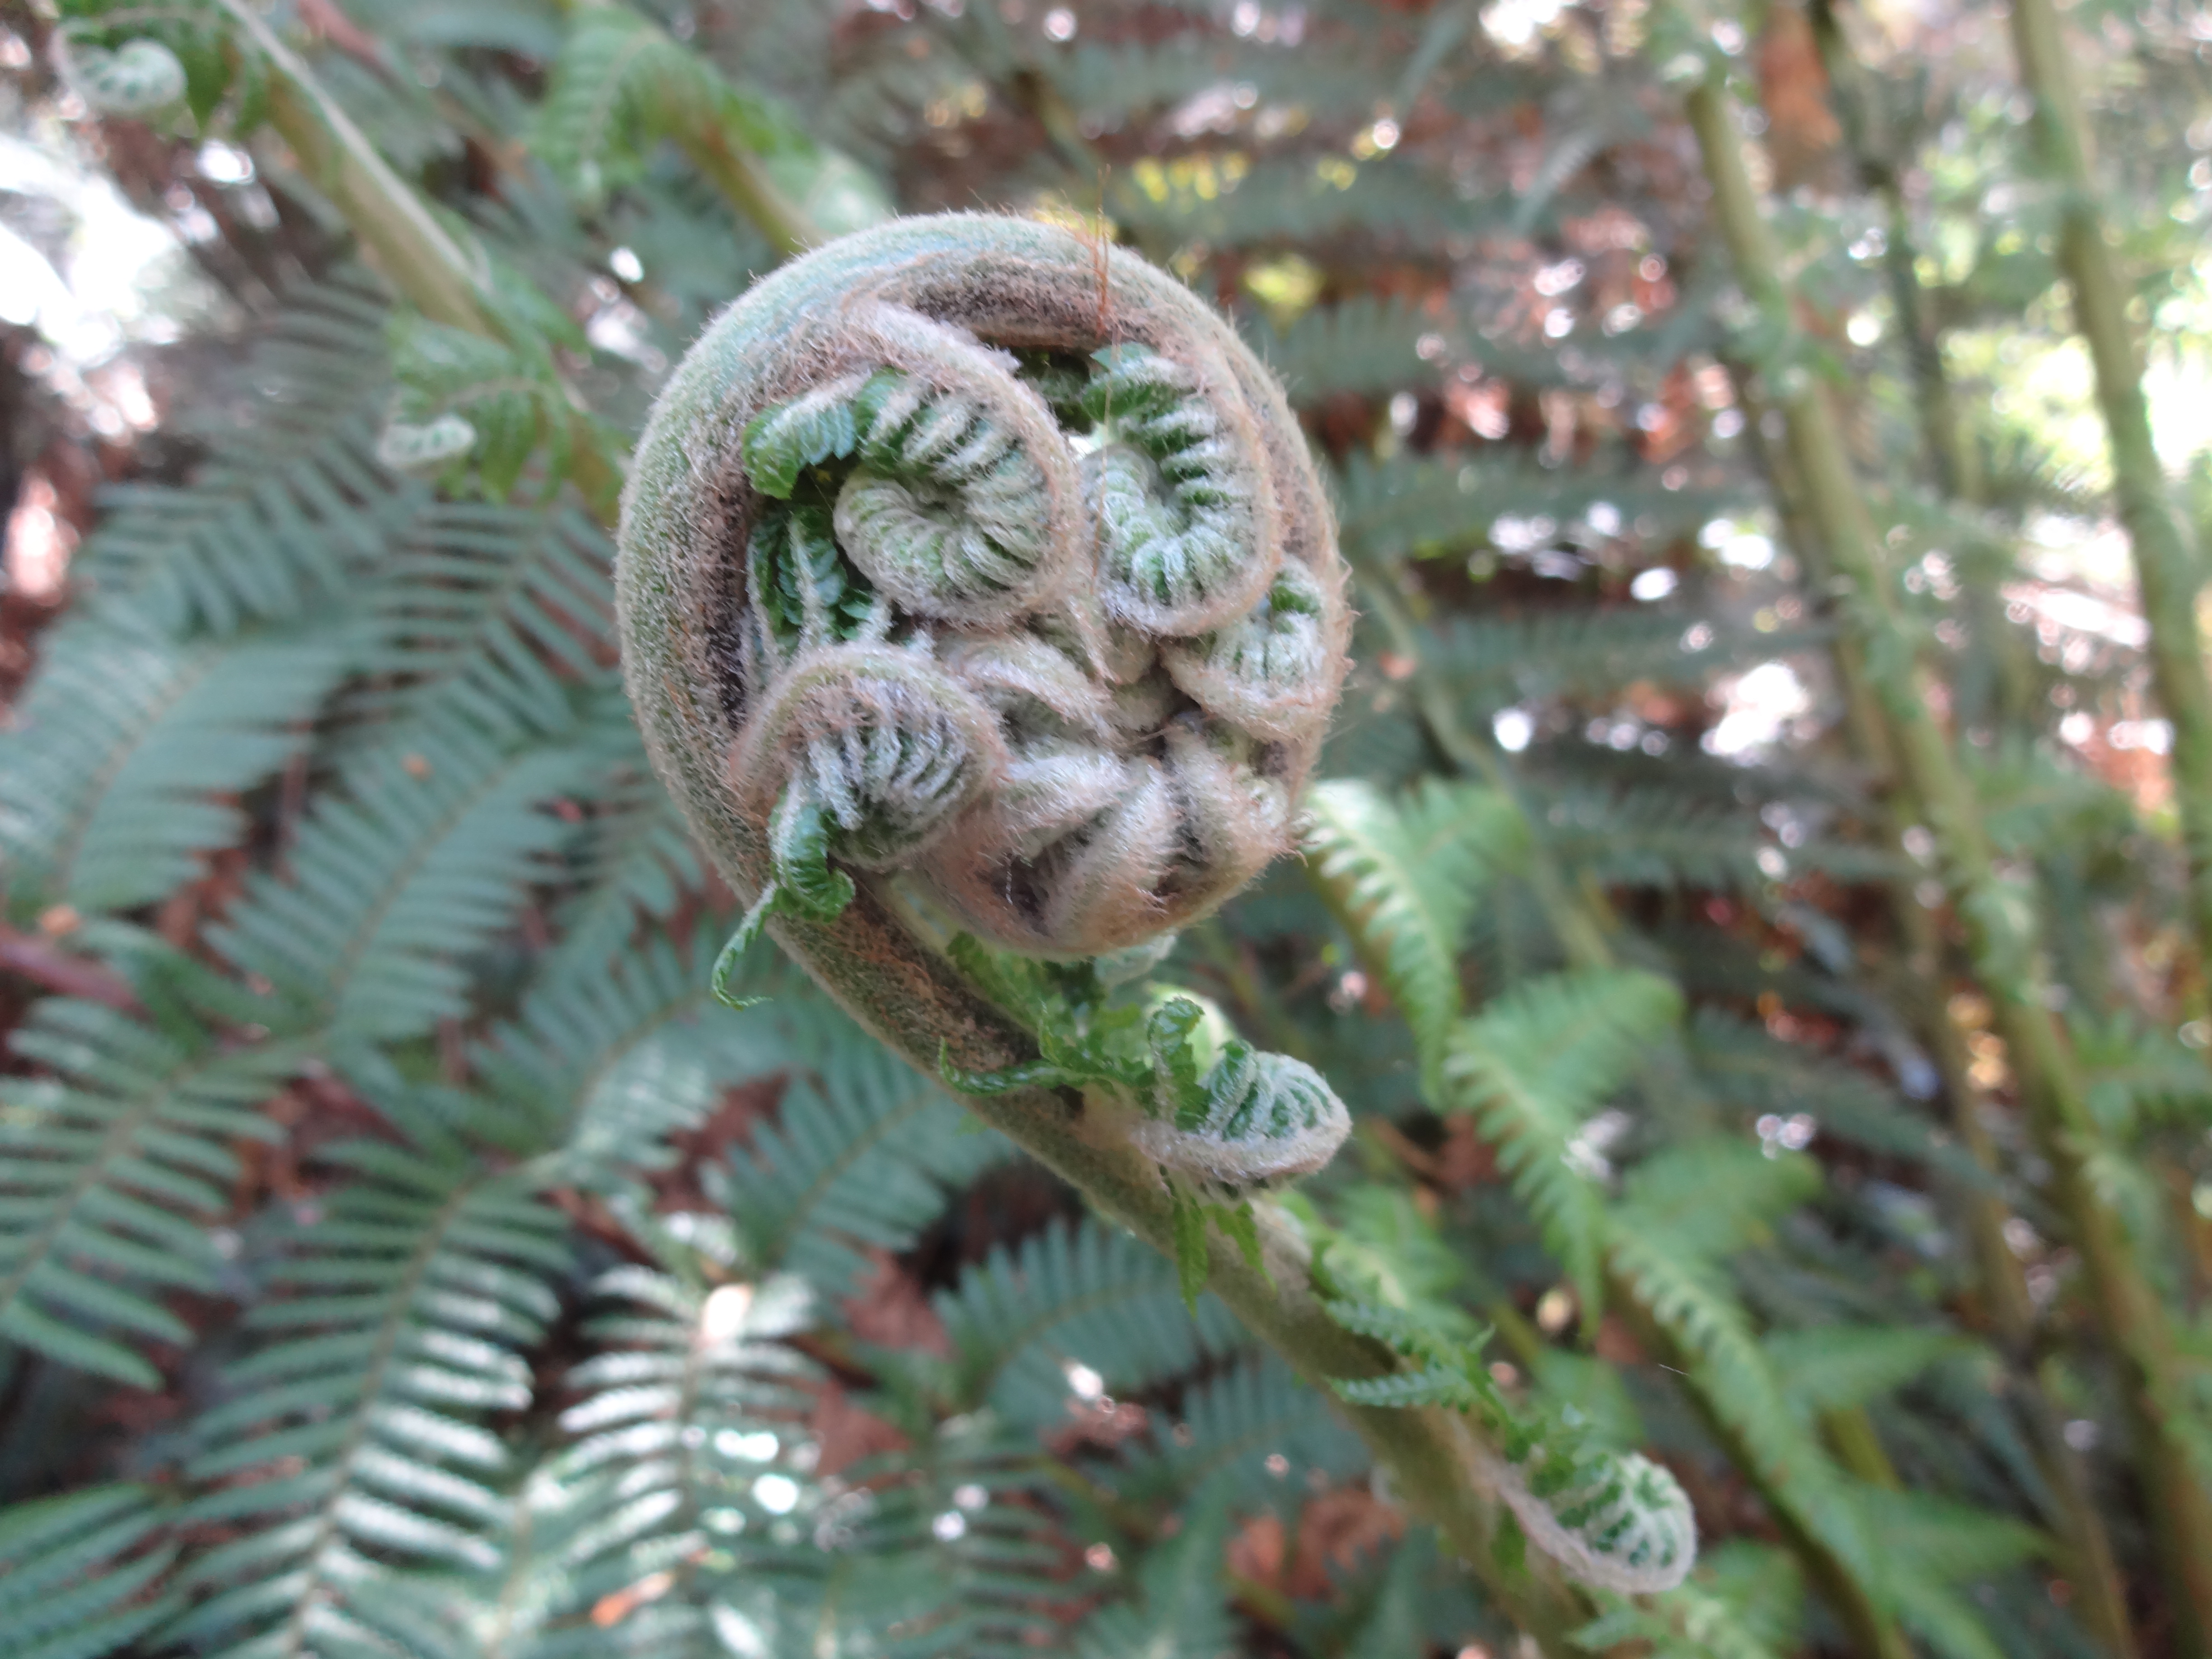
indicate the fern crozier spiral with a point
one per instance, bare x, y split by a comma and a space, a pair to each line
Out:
964, 549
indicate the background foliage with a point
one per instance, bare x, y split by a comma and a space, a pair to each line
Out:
401, 1255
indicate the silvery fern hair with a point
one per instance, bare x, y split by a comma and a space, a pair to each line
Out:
963, 549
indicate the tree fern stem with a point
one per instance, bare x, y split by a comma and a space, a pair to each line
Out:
912, 1000
1583, 928
2165, 564
2002, 938
2088, 1559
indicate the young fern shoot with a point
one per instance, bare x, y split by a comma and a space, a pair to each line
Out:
985, 626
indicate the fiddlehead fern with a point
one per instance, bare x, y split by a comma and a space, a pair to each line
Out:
961, 549
1614, 1519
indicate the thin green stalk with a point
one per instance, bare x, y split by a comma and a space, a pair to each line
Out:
2002, 934
1583, 926
2164, 562
2088, 1557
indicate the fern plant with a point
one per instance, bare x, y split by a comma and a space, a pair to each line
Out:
1729, 1057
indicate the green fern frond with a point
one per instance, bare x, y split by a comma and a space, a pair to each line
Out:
1533, 1066
421, 854
112, 1165
618, 84
1179, 1611
1826, 1367
1362, 346
1248, 1436
1652, 836
957, 1553
1705, 1197
1732, 1373
682, 1438
1386, 199
500, 609
84, 1575
1405, 880
1085, 1297
1113, 83
1929, 1545
1425, 508
291, 505
611, 1064
640, 863
468, 403
123, 744
2139, 1073
353, 1441
861, 1156
1739, 1063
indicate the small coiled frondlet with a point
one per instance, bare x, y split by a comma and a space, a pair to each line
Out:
1618, 1521
961, 549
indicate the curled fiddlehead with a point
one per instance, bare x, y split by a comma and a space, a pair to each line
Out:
1614, 1519
964, 550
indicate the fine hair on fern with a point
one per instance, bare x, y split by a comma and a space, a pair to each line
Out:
949, 550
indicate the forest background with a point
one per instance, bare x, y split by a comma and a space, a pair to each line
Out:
1757, 914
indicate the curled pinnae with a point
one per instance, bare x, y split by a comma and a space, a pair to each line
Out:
922, 574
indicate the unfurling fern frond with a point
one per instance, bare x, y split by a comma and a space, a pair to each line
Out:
139, 78
895, 470
1613, 1519
110, 1166
1221, 1118
1533, 1066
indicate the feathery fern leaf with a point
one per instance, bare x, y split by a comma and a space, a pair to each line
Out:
292, 504
1179, 1612
1434, 507
499, 610
125, 738
110, 1167
1533, 1066
1825, 1367
421, 855
1362, 345
1248, 1436
684, 1441
84, 1575
1087, 1296
610, 1064
354, 1440
863, 1158
1405, 880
